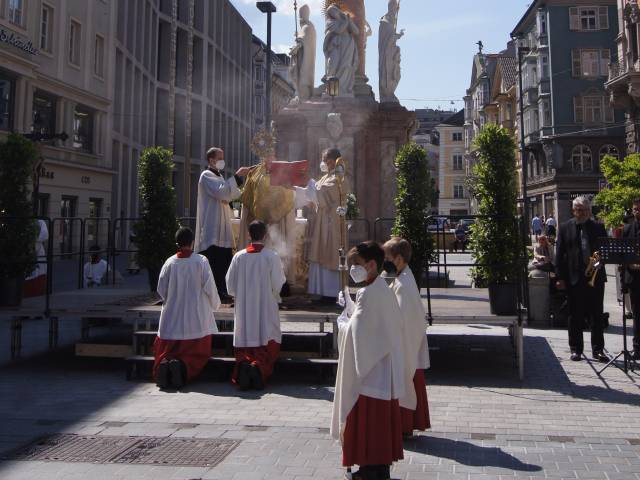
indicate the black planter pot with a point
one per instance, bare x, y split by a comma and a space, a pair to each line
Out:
503, 298
11, 291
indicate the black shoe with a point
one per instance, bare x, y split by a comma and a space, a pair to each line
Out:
600, 357
256, 377
162, 376
244, 380
177, 374
383, 472
576, 357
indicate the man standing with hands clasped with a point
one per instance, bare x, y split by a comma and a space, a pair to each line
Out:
577, 241
631, 278
214, 237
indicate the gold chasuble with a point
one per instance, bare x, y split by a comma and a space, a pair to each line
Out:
264, 201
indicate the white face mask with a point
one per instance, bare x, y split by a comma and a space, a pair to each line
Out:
324, 168
358, 273
219, 164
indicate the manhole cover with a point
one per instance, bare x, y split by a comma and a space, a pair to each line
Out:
135, 450
74, 448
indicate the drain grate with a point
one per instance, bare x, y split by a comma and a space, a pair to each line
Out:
190, 452
131, 450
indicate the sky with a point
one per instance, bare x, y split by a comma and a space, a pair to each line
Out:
437, 48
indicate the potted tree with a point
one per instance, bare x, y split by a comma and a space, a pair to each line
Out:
495, 240
17, 226
413, 200
154, 232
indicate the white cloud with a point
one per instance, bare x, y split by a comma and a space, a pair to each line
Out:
281, 48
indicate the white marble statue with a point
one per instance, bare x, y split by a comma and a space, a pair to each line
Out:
389, 54
341, 49
303, 57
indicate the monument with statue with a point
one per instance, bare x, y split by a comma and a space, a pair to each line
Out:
343, 112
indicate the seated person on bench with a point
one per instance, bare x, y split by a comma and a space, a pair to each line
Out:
95, 269
255, 279
188, 290
460, 241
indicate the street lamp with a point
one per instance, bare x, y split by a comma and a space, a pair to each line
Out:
268, 8
333, 86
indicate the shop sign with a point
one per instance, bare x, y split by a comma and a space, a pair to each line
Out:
44, 173
86, 180
10, 38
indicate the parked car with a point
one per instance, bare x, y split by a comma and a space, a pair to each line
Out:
466, 223
438, 224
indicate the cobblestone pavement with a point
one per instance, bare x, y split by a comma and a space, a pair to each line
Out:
562, 421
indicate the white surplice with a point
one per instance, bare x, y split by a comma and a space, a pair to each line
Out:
213, 217
255, 280
371, 361
95, 272
415, 336
41, 239
190, 297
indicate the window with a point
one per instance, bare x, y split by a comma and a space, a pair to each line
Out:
457, 136
588, 19
16, 12
457, 162
593, 109
46, 23
542, 22
6, 103
458, 191
608, 150
44, 113
83, 129
98, 57
581, 159
544, 66
545, 113
75, 34
590, 63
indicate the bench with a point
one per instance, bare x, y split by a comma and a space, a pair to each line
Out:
137, 363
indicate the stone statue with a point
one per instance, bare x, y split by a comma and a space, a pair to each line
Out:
356, 9
389, 54
303, 57
341, 49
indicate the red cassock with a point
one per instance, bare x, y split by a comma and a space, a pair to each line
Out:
264, 357
373, 433
193, 353
417, 419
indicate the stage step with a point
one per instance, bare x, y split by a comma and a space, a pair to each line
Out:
137, 363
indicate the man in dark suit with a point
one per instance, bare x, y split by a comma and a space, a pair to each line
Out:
631, 278
577, 240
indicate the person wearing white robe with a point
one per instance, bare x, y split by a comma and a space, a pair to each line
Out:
371, 377
415, 409
188, 291
255, 279
214, 235
96, 269
36, 282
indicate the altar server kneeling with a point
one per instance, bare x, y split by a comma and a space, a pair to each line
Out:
371, 376
414, 406
183, 345
255, 279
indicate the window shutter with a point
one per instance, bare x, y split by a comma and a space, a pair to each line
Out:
609, 116
603, 18
605, 60
578, 110
576, 66
574, 18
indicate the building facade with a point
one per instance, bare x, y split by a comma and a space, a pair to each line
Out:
453, 195
54, 78
569, 123
623, 83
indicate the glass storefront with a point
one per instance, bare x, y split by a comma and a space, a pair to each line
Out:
7, 90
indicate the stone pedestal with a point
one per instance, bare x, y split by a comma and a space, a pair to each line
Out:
369, 139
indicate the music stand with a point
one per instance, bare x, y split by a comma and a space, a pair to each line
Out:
620, 251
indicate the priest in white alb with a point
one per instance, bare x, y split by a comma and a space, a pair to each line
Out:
255, 279
214, 236
414, 406
183, 345
324, 230
370, 378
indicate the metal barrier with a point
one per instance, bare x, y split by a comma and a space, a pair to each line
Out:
382, 229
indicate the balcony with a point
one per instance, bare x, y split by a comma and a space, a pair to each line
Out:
623, 84
617, 70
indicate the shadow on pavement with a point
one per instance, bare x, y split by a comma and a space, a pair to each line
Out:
467, 453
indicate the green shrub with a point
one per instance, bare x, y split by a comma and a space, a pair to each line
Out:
413, 201
495, 240
17, 234
155, 232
